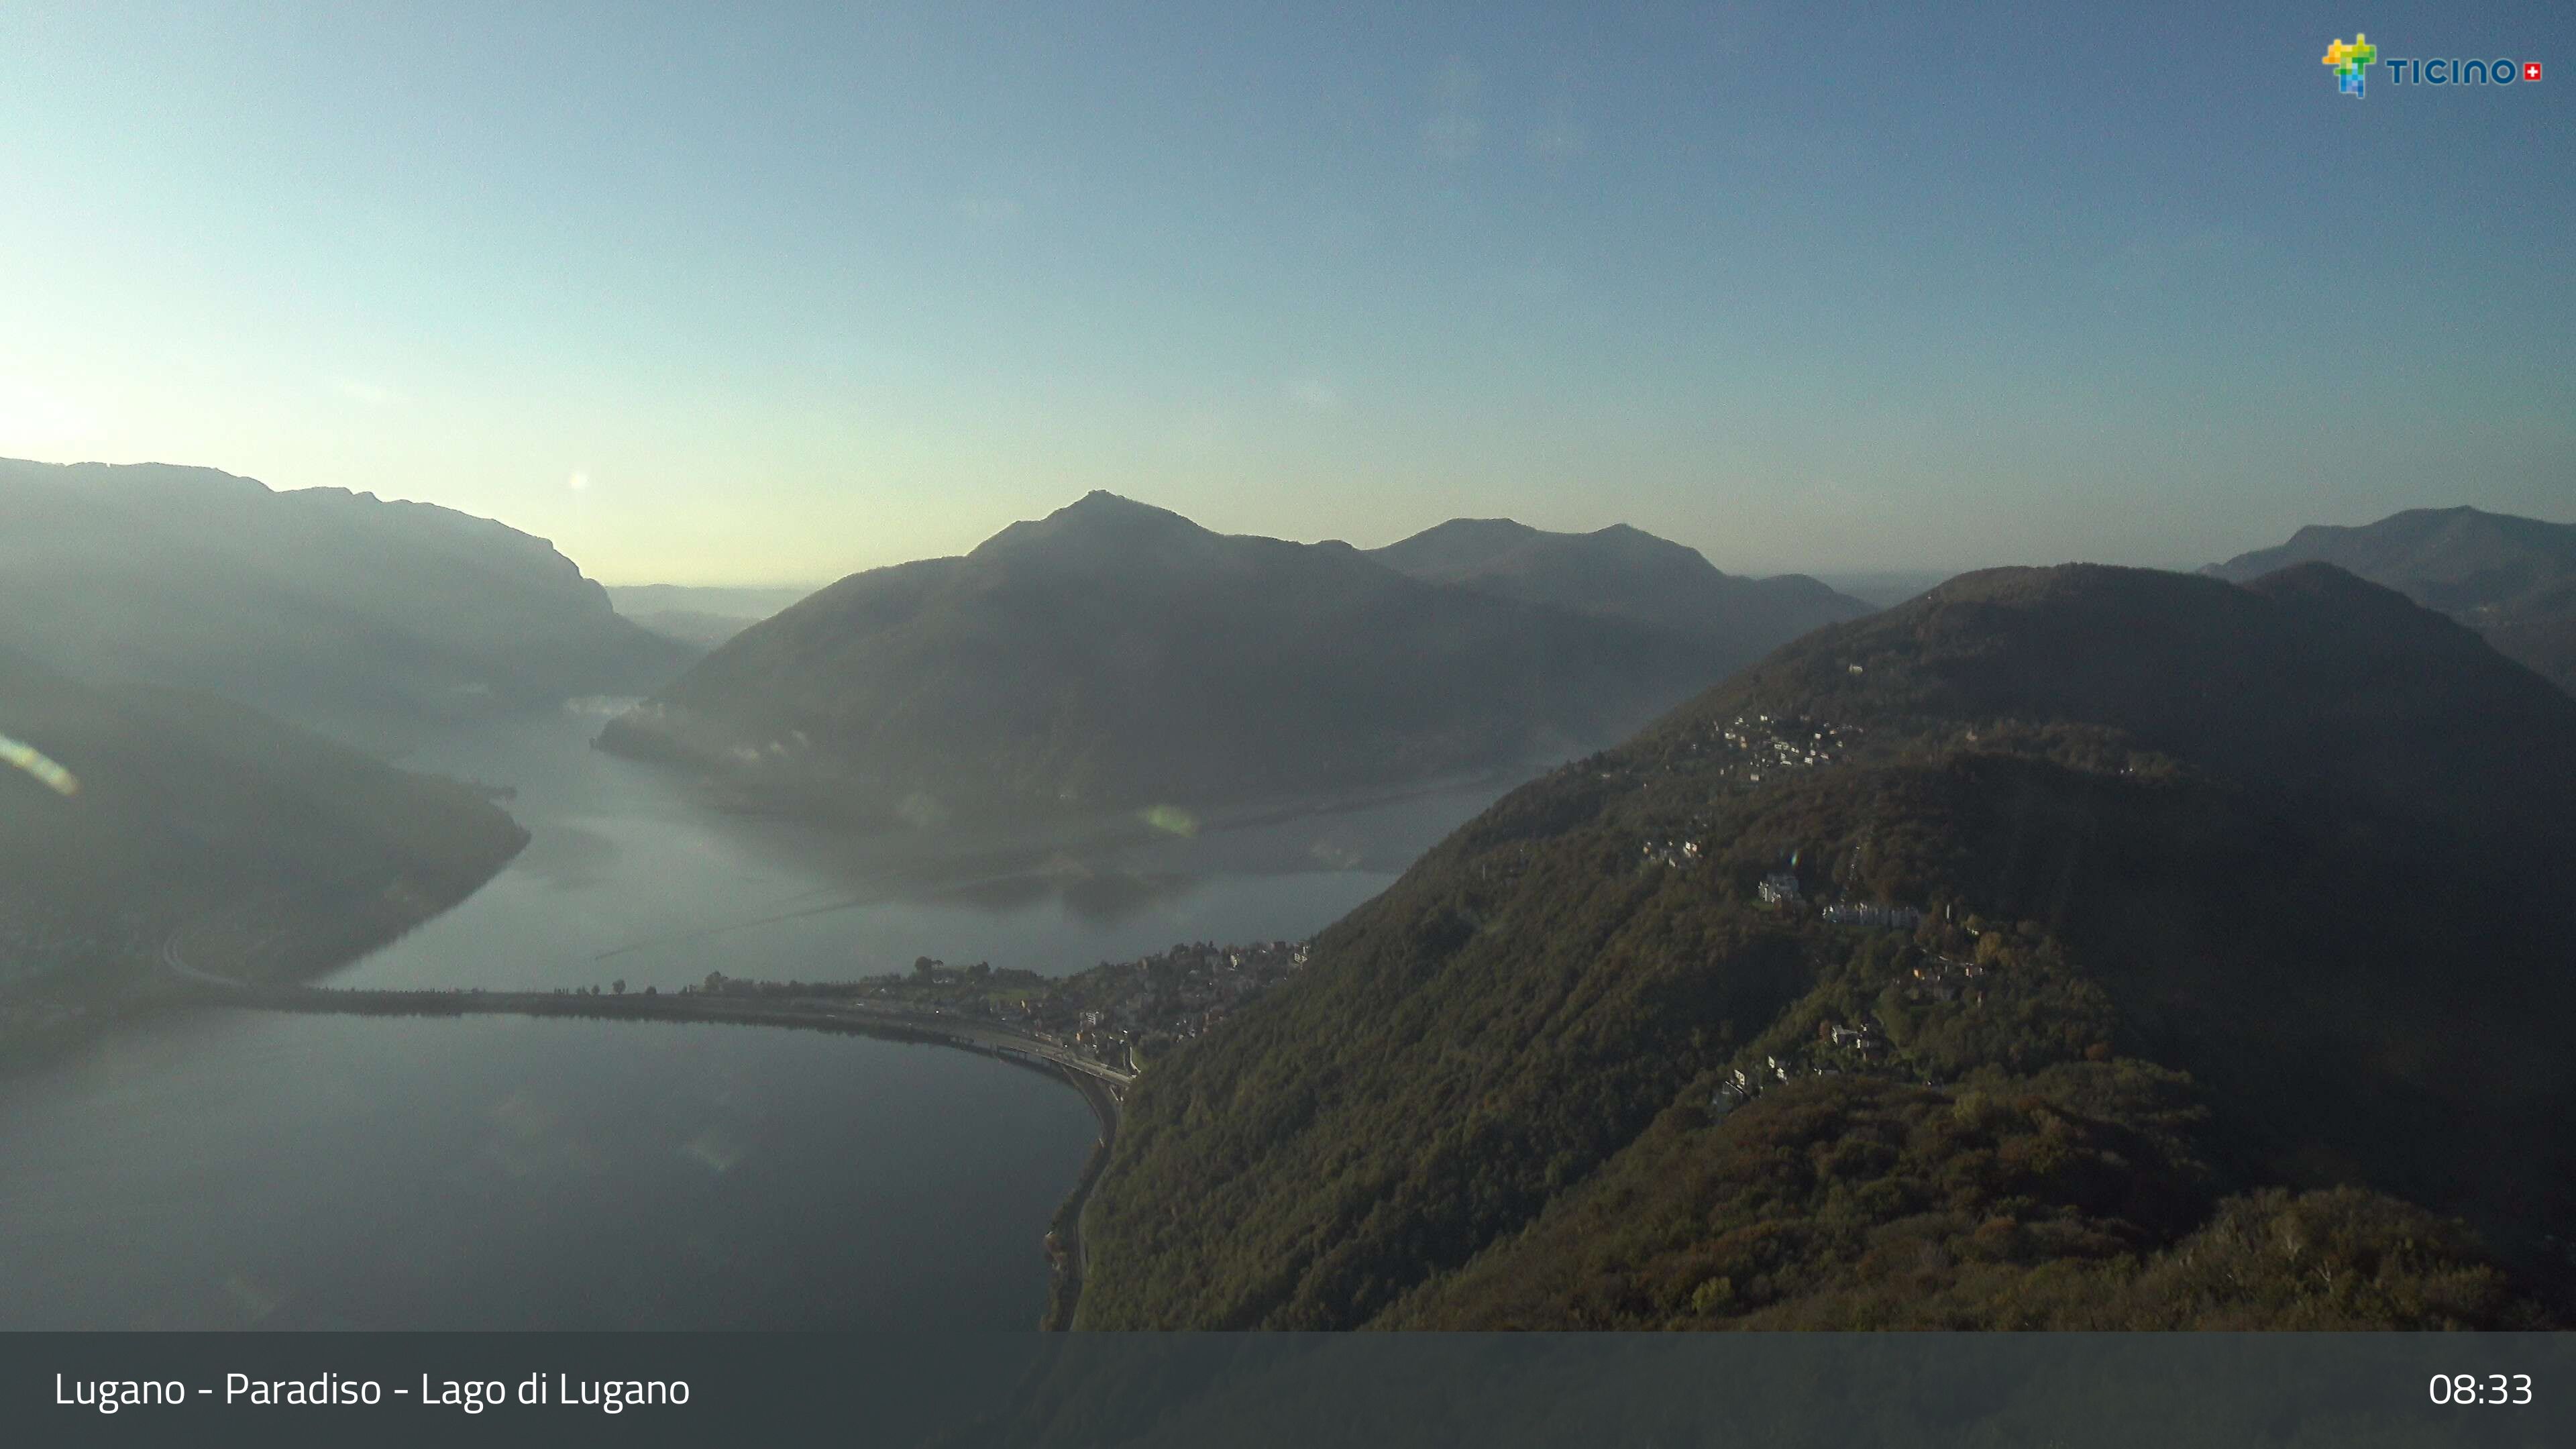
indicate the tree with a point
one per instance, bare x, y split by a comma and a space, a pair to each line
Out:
618, 986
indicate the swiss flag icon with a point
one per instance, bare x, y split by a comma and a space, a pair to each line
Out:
2531, 70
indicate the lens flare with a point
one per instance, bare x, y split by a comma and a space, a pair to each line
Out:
32, 760
1171, 820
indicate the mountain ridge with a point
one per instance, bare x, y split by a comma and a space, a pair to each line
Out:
1113, 654
335, 609
2513, 579
1619, 571
2173, 1004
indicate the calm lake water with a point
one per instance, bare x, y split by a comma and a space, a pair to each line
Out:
239, 1169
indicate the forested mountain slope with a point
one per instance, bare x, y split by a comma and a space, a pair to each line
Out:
2224, 996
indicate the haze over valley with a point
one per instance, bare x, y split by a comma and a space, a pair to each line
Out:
1115, 655
916, 669
376, 622
2035, 886
702, 615
173, 831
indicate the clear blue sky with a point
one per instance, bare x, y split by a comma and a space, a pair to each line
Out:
714, 297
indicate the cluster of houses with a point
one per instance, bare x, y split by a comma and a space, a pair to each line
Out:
1181, 993
1878, 915
1104, 1012
1946, 979
1781, 889
1864, 1038
1840, 1048
1751, 746
1672, 852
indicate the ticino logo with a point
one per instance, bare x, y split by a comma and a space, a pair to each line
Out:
2352, 59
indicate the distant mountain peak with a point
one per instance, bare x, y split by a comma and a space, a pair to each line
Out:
2511, 578
1113, 652
376, 620
1102, 501
1620, 571
2317, 579
1497, 528
1094, 528
2386, 545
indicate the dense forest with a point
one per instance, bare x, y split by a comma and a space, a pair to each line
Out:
2084, 947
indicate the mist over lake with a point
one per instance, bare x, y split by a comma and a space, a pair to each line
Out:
234, 1169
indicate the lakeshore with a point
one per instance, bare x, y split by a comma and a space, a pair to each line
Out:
558, 1168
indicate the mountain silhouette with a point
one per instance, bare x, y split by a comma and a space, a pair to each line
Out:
1621, 572
1113, 655
370, 620
2511, 579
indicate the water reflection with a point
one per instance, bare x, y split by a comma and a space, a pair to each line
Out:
629, 873
237, 1169
244, 1170
1097, 897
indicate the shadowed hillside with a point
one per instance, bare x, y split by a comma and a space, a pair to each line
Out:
142, 821
2080, 947
1115, 655
371, 621
2511, 579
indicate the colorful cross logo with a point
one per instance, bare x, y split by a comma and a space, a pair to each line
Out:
2350, 61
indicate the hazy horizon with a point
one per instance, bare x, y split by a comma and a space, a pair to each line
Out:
764, 301
1864, 578
1892, 582
855, 672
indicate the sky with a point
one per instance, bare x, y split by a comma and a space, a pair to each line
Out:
772, 293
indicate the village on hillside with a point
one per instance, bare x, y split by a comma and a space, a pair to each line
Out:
1118, 1013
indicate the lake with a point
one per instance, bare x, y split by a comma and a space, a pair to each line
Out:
235, 1169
